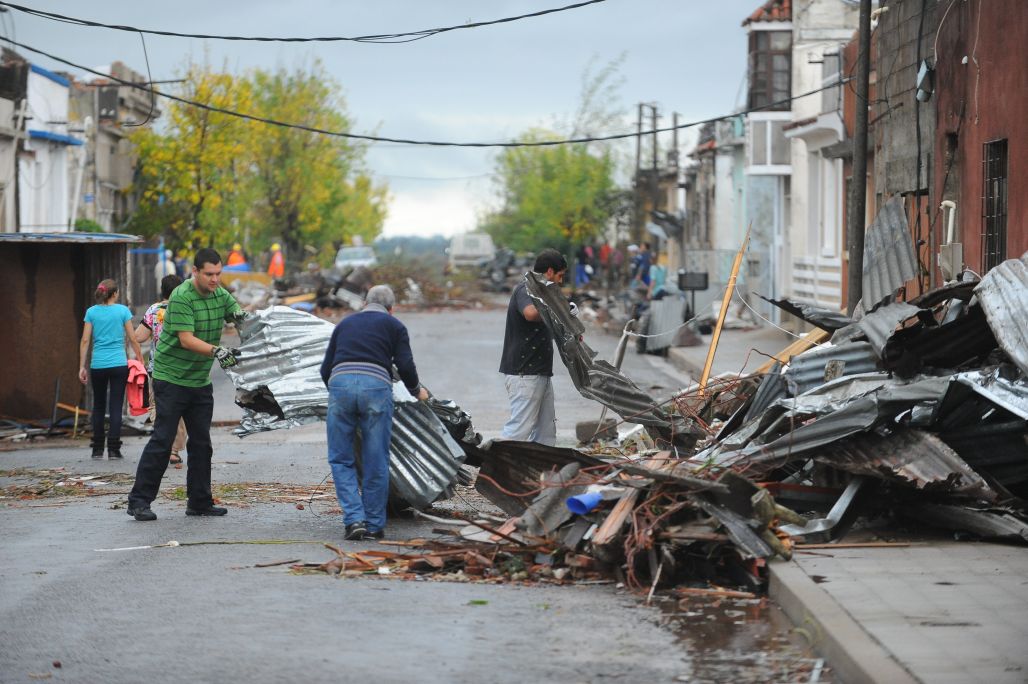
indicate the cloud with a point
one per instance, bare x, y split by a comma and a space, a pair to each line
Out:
432, 212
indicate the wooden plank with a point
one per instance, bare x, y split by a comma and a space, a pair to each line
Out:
616, 520
816, 336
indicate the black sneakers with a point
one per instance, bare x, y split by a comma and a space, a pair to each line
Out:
377, 534
142, 514
113, 454
209, 511
357, 531
98, 452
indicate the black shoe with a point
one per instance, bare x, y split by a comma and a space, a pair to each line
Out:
142, 514
377, 534
98, 452
357, 531
113, 454
209, 511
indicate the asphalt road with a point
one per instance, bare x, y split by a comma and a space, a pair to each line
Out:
204, 613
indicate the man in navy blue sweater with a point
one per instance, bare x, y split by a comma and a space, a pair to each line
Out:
358, 373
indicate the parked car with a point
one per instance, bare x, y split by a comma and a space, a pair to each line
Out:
470, 249
349, 258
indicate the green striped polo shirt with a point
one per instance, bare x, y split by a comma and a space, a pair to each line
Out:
204, 316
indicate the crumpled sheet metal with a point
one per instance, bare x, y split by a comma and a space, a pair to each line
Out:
278, 377
889, 259
818, 366
594, 379
1003, 294
826, 319
278, 384
790, 434
1009, 394
879, 325
909, 456
423, 457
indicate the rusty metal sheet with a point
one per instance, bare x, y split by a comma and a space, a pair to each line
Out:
911, 457
889, 259
1003, 294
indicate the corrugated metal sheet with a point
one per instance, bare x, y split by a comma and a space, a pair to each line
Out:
423, 457
957, 344
599, 380
878, 326
826, 319
889, 259
666, 315
278, 383
52, 238
912, 457
1003, 293
815, 367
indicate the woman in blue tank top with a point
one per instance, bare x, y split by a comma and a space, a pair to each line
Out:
109, 325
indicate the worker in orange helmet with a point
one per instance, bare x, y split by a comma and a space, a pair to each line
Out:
236, 256
277, 267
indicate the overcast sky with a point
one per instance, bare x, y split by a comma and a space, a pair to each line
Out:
483, 84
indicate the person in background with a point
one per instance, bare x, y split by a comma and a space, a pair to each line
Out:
527, 359
277, 265
109, 325
583, 265
197, 312
236, 257
641, 272
658, 279
357, 370
150, 328
164, 266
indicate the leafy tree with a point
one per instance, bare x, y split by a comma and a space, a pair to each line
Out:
210, 179
559, 196
310, 190
188, 175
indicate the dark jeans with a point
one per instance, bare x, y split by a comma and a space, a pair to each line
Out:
195, 406
116, 378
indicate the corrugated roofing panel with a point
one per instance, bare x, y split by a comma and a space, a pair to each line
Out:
913, 457
1003, 293
879, 325
813, 368
105, 238
889, 259
666, 315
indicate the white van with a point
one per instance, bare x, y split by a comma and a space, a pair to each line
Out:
470, 249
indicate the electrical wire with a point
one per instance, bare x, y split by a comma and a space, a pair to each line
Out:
149, 80
405, 37
407, 141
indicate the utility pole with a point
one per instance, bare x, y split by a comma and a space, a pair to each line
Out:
637, 195
858, 186
655, 174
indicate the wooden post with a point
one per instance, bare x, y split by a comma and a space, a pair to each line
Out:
724, 312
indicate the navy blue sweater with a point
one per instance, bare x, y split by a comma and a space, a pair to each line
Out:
372, 337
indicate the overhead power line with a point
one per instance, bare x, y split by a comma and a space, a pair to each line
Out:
405, 37
408, 141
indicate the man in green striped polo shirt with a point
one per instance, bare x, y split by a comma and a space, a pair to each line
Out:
197, 311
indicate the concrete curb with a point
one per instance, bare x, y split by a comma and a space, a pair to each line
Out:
852, 653
683, 363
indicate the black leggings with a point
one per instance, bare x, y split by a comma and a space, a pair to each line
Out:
116, 378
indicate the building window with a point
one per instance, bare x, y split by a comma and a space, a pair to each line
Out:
770, 71
994, 204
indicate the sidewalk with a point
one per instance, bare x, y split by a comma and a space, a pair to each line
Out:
931, 612
737, 351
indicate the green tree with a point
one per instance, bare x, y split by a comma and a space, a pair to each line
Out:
558, 196
189, 182
311, 191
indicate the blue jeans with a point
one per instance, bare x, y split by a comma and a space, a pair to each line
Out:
360, 401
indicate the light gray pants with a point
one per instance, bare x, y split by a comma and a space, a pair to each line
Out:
532, 417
